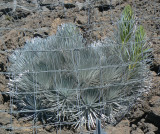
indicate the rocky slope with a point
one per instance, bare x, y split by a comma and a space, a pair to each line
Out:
95, 21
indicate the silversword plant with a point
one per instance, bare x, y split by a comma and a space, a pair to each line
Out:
59, 79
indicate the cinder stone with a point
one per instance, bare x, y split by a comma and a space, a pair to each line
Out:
150, 127
121, 128
5, 118
3, 131
80, 5
155, 101
137, 131
81, 19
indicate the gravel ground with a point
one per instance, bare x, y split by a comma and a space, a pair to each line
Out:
25, 23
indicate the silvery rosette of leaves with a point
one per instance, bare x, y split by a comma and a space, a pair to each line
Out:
60, 79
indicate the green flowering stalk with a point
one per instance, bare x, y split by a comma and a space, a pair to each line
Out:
132, 38
126, 24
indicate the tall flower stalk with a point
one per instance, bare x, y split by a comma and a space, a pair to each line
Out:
132, 38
